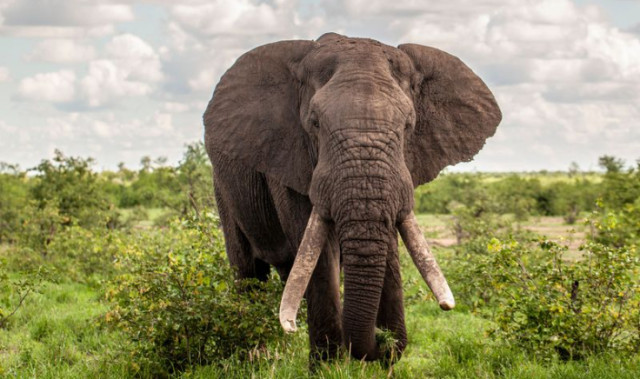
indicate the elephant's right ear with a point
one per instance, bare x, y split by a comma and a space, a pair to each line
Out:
253, 117
455, 111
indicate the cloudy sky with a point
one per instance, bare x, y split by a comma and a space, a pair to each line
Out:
120, 79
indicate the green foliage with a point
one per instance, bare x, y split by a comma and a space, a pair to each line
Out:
475, 224
616, 220
437, 196
516, 194
568, 199
196, 177
616, 227
544, 302
14, 292
68, 185
172, 303
549, 305
611, 164
85, 255
13, 199
178, 302
184, 189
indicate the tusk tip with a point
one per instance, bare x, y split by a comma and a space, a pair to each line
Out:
447, 305
289, 326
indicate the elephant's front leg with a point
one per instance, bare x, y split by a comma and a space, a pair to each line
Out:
323, 305
391, 310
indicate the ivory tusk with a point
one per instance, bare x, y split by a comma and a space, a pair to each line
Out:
425, 261
315, 236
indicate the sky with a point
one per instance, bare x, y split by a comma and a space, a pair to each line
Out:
117, 80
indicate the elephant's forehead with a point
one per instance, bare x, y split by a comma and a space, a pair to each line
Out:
345, 50
361, 53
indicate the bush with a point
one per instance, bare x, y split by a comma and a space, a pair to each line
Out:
179, 304
550, 305
85, 255
68, 185
185, 189
616, 220
616, 227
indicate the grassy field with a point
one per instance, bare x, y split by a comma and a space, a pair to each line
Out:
58, 333
544, 178
439, 232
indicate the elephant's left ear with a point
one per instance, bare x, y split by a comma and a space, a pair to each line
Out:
455, 111
253, 118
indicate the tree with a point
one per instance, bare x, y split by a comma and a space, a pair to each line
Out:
611, 164
68, 185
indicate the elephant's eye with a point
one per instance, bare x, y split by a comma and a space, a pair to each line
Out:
313, 119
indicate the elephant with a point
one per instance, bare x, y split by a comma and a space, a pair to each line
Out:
316, 148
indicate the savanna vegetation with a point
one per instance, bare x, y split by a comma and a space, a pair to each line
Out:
123, 274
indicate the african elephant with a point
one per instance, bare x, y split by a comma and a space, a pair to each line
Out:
316, 147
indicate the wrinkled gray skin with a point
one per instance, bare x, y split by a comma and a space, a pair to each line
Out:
349, 126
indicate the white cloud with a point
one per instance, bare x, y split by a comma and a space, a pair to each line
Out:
130, 69
62, 51
4, 74
106, 82
54, 87
231, 17
58, 19
107, 136
176, 107
204, 80
206, 37
57, 31
136, 57
567, 80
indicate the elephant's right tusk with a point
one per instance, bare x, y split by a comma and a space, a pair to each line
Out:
426, 262
309, 251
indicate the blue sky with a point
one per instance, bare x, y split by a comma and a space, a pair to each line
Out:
120, 79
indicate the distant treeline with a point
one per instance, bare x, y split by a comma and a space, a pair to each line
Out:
523, 194
533, 194
68, 191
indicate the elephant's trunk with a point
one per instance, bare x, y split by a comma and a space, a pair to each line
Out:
364, 251
363, 190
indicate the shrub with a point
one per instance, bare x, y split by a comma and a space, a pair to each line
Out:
179, 304
616, 227
68, 185
550, 305
85, 255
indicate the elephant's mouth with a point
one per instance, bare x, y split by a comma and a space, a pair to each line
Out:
311, 247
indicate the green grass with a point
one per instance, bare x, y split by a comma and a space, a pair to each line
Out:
57, 334
545, 178
441, 345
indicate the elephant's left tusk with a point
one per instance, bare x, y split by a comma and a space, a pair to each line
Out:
309, 251
425, 261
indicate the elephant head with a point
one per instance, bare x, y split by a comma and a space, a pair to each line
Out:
354, 125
